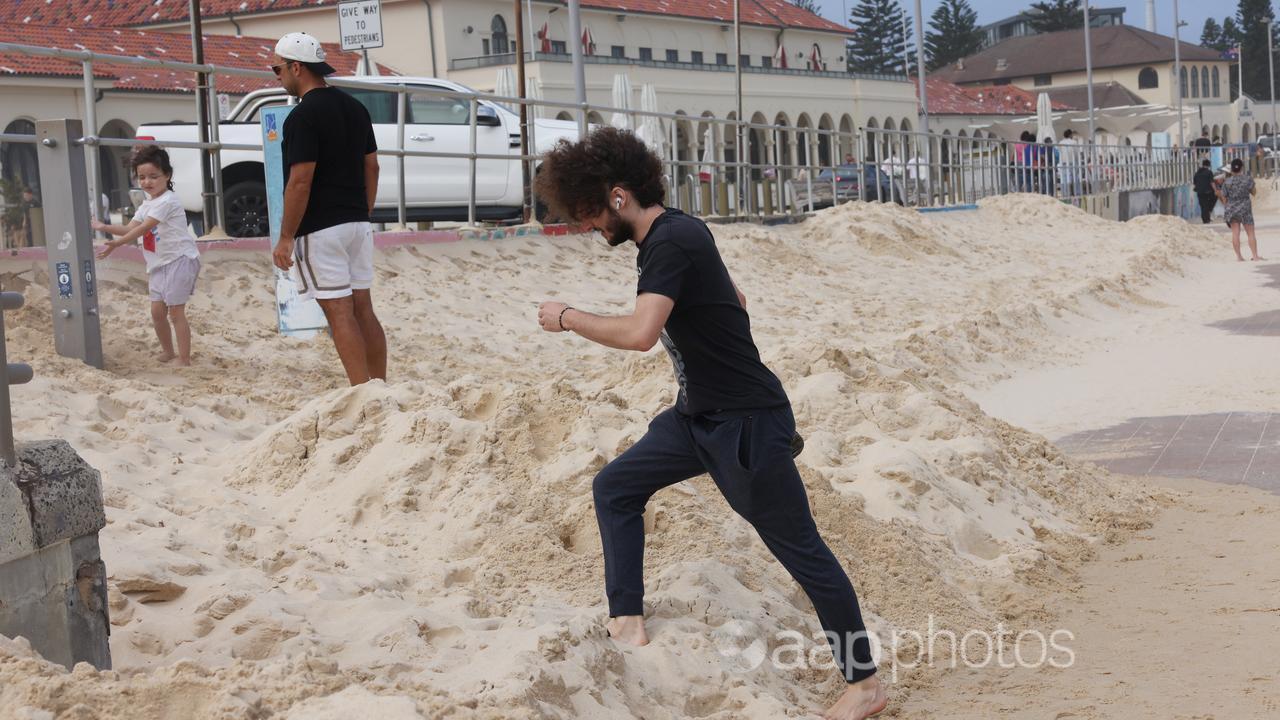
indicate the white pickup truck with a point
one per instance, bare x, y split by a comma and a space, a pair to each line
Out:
436, 188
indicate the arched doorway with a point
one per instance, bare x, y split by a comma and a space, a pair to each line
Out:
804, 138
824, 140
18, 160
114, 164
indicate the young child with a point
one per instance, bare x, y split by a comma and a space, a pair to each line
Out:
173, 262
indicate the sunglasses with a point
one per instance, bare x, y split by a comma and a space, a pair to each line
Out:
277, 68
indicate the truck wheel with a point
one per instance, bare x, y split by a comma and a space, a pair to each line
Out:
246, 206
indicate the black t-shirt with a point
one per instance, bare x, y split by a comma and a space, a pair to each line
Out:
333, 130
708, 334
1203, 142
1203, 181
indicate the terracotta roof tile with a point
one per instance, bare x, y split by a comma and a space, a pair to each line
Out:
128, 13
239, 52
949, 99
1113, 46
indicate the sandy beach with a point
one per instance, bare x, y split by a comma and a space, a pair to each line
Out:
282, 546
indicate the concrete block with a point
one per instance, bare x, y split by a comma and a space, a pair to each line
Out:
63, 493
17, 537
53, 585
57, 599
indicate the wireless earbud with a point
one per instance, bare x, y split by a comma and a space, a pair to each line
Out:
617, 203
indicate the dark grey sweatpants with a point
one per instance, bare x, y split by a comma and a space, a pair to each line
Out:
748, 455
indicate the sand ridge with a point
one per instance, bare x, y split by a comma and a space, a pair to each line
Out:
431, 540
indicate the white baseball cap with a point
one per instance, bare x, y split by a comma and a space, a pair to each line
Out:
304, 48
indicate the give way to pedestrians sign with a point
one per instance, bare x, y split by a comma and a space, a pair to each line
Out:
360, 24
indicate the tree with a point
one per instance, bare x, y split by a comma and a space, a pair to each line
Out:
1230, 33
1211, 35
1251, 18
1054, 15
880, 41
809, 5
953, 33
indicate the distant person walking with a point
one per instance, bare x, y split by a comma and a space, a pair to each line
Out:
1236, 193
331, 180
1206, 191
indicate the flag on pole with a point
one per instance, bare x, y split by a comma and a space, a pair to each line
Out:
588, 42
545, 36
815, 58
780, 56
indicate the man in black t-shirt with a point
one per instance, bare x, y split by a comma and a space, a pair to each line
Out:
331, 180
1206, 191
731, 418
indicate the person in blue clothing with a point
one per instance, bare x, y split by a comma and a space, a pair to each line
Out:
731, 418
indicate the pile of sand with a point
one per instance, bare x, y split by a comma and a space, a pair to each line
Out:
281, 546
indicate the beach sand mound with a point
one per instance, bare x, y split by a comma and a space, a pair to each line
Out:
282, 546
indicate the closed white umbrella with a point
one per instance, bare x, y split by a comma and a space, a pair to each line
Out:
650, 130
622, 100
1044, 118
708, 154
506, 85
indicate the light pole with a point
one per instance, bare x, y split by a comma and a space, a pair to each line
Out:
1088, 69
924, 93
1177, 69
579, 72
1271, 72
744, 179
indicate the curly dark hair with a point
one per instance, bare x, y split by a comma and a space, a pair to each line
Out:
154, 155
575, 177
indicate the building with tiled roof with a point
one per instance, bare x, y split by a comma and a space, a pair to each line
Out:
1131, 66
126, 95
137, 13
794, 61
229, 51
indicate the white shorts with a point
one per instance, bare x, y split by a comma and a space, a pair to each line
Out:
332, 262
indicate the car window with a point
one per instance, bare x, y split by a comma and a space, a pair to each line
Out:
381, 105
434, 110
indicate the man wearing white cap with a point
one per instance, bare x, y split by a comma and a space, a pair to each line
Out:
331, 180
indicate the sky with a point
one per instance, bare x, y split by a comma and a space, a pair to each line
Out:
1191, 12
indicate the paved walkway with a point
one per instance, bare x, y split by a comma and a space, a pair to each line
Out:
1233, 448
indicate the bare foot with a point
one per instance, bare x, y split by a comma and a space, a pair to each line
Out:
860, 700
628, 629
165, 357
1239, 258
182, 362
1257, 258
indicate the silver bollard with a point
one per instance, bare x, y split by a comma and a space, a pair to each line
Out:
69, 241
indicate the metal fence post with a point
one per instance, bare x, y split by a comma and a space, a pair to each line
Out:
91, 151
215, 117
14, 374
69, 242
471, 185
401, 210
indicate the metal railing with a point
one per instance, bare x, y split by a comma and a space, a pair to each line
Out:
509, 58
746, 170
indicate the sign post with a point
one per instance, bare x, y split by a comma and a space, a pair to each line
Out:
299, 318
360, 27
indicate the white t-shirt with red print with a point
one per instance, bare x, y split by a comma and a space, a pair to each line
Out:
169, 240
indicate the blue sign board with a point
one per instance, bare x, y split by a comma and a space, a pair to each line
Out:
295, 316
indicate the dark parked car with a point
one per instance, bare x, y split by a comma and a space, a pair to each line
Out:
858, 181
